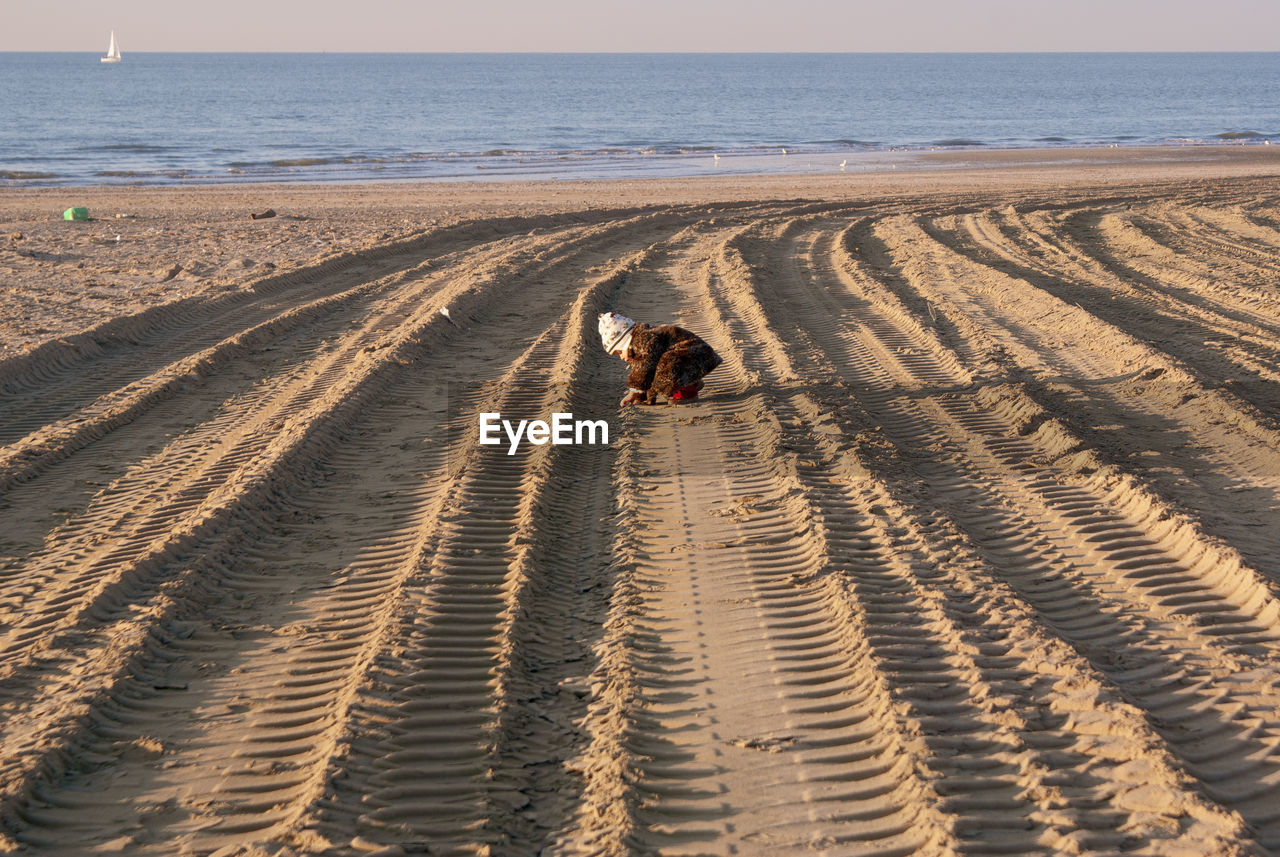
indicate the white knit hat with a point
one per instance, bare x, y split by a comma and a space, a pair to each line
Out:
615, 332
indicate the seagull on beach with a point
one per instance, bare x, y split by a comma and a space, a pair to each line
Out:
717, 157
784, 153
844, 164
444, 311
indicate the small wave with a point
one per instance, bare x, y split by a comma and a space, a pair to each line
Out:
1053, 139
1240, 135
301, 162
673, 149
24, 175
349, 160
133, 148
133, 174
958, 141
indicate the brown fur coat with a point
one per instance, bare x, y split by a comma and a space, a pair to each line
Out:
665, 358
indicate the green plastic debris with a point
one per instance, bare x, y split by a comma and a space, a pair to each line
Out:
76, 213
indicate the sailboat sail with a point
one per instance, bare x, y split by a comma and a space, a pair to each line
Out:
113, 52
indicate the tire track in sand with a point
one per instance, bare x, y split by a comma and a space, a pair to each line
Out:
1079, 257
109, 398
484, 694
741, 713
1146, 407
189, 471
1181, 629
1004, 736
49, 382
880, 592
562, 252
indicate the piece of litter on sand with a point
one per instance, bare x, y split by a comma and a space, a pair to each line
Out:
444, 311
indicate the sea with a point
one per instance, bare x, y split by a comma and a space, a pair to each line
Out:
207, 118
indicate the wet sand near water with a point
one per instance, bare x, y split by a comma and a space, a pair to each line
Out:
970, 546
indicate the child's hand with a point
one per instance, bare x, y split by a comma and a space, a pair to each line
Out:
630, 399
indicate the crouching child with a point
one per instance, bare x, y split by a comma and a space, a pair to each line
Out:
665, 360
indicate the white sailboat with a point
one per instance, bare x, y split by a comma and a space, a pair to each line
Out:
113, 52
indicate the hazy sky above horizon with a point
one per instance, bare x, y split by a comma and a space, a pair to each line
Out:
643, 25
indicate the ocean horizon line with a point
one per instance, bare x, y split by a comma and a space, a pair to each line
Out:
321, 52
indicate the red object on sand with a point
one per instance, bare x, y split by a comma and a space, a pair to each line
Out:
685, 394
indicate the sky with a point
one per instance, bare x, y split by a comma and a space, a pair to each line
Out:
641, 25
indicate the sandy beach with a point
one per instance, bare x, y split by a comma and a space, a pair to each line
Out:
969, 547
